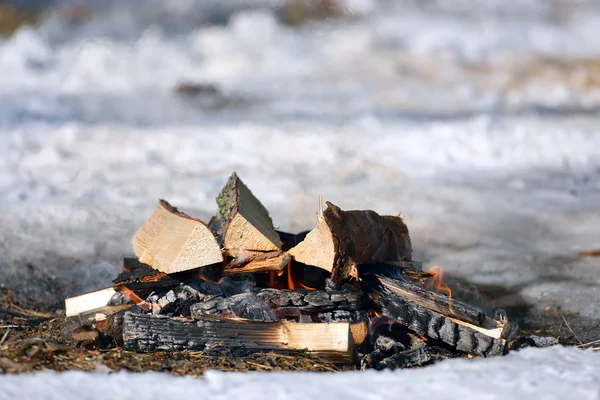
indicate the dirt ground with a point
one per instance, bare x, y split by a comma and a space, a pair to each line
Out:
33, 339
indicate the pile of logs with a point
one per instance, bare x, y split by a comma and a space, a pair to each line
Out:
347, 291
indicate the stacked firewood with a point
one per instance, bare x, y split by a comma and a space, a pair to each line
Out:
347, 291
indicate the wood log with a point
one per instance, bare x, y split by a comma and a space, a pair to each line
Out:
483, 341
171, 241
332, 341
242, 222
434, 301
344, 239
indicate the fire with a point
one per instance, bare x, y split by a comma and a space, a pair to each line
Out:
440, 285
289, 281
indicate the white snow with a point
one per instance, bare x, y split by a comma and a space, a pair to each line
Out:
554, 373
401, 108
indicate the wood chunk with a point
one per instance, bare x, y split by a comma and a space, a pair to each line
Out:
483, 341
344, 239
331, 341
263, 262
242, 222
171, 241
434, 301
88, 301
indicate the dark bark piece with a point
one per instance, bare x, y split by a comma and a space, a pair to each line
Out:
290, 240
437, 326
344, 239
434, 301
139, 276
333, 341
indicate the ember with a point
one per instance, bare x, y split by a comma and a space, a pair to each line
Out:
347, 291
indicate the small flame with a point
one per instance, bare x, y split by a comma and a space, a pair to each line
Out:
440, 285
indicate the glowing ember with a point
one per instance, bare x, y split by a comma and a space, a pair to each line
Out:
439, 284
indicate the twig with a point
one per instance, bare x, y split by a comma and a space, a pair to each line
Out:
5, 336
576, 337
589, 343
10, 326
258, 365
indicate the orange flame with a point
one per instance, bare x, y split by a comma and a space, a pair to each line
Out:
440, 285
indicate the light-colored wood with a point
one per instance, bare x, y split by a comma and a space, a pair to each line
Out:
171, 241
360, 332
265, 262
88, 301
490, 327
245, 221
319, 248
342, 240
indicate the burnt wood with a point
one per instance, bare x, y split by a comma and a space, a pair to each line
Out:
436, 326
139, 276
432, 300
147, 332
272, 305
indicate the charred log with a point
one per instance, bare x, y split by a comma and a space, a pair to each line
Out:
433, 301
143, 332
437, 326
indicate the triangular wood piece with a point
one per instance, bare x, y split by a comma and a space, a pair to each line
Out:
171, 241
344, 239
242, 222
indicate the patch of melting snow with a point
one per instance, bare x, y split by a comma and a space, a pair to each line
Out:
552, 373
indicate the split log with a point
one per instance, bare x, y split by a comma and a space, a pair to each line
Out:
344, 239
487, 340
242, 222
263, 262
171, 241
331, 341
434, 301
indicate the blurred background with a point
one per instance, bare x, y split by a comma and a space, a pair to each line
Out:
475, 120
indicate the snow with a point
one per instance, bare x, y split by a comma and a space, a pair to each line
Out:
400, 107
554, 373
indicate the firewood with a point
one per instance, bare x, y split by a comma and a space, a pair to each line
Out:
263, 262
486, 340
344, 239
434, 301
88, 301
332, 341
171, 241
242, 222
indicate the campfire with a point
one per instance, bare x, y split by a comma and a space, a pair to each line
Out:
348, 291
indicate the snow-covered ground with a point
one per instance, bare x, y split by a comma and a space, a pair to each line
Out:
476, 121
555, 373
